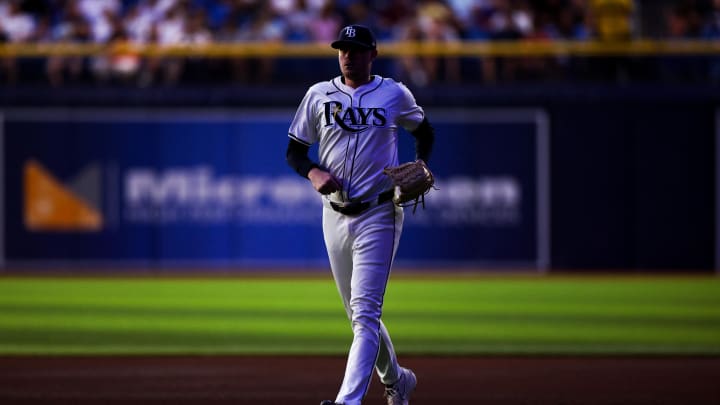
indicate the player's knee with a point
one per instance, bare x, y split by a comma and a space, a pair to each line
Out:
364, 325
366, 315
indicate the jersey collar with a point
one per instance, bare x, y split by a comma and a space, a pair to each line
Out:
340, 83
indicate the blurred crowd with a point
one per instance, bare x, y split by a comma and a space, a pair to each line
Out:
173, 22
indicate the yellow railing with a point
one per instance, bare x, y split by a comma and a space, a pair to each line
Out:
387, 49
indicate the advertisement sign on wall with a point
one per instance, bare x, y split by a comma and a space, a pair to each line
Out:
183, 187
717, 191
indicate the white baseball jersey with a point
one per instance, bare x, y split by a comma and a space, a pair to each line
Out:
357, 130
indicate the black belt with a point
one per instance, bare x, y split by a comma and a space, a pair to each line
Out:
356, 207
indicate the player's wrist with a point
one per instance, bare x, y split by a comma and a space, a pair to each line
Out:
313, 170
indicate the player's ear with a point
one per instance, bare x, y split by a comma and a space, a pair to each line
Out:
374, 53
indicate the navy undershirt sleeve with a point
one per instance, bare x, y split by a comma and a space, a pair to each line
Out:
297, 157
424, 138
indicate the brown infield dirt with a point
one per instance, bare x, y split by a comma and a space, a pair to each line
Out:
308, 380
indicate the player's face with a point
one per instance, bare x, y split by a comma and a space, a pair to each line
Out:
355, 63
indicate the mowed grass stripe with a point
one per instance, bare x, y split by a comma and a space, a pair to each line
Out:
572, 315
494, 315
120, 316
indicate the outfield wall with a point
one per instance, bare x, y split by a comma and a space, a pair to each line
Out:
632, 176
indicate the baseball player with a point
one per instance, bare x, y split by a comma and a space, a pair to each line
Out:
355, 118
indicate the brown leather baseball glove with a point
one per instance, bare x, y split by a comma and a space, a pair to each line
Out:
412, 180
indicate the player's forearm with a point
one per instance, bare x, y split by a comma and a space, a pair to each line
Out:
297, 158
424, 139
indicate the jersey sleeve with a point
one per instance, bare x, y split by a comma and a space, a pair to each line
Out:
410, 115
303, 126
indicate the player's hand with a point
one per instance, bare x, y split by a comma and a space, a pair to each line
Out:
323, 182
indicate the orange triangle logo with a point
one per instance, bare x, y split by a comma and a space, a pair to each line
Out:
51, 206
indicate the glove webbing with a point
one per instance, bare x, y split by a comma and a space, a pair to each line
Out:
419, 200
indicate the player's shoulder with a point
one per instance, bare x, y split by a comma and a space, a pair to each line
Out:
398, 88
392, 84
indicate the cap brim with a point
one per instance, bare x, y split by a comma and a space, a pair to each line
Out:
346, 43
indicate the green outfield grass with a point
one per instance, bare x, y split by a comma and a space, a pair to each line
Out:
458, 314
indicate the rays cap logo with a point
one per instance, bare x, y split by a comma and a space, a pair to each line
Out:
358, 36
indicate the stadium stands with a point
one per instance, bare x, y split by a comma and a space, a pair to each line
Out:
114, 37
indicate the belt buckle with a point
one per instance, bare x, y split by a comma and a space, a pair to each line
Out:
350, 208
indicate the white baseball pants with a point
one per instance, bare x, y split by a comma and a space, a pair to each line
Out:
361, 250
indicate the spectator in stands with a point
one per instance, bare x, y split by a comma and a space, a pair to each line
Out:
438, 24
503, 20
475, 26
198, 34
160, 8
683, 23
197, 29
543, 30
138, 23
326, 24
150, 11
566, 23
16, 27
391, 18
107, 29
358, 12
264, 26
101, 15
464, 14
711, 31
396, 11
218, 12
298, 22
167, 32
433, 22
613, 19
171, 28
307, 20
510, 20
119, 62
73, 28
122, 62
411, 68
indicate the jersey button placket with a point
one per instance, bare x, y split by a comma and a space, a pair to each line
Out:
350, 157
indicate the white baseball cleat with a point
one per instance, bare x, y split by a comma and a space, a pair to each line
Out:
399, 393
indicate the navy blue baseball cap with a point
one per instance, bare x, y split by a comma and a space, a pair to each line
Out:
355, 36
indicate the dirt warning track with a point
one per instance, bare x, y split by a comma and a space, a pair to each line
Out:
307, 380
